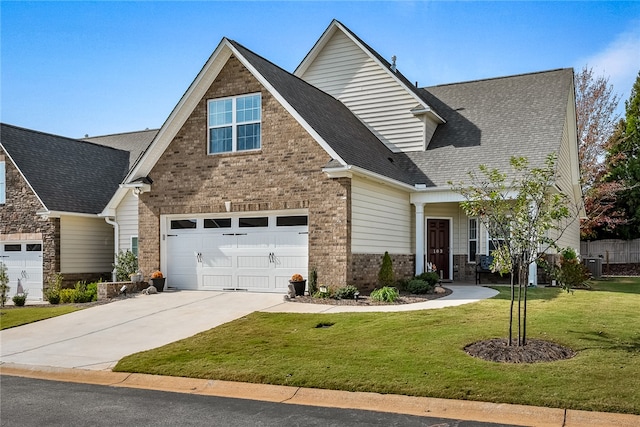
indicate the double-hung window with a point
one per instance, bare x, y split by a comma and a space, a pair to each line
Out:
234, 124
473, 239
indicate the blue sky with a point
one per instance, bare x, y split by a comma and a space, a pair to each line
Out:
76, 68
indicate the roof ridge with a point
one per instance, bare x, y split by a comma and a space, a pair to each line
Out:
498, 78
120, 133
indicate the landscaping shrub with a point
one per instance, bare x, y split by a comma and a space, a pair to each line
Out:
4, 284
385, 275
418, 286
82, 293
66, 295
52, 292
126, 264
430, 277
327, 294
20, 299
385, 294
347, 292
313, 281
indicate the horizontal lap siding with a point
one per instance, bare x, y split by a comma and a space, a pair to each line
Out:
381, 219
343, 70
127, 218
86, 245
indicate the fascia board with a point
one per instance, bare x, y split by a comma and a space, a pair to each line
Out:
23, 176
264, 82
114, 202
182, 110
59, 214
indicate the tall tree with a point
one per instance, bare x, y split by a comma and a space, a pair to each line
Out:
596, 122
525, 214
624, 158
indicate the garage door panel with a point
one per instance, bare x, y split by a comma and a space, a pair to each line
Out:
255, 261
253, 282
217, 260
282, 282
254, 240
217, 281
291, 240
291, 262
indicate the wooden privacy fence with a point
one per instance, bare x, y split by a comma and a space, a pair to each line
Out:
612, 251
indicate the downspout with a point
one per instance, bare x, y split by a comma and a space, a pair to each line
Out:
116, 244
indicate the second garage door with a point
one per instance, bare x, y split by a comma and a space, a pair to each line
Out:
255, 253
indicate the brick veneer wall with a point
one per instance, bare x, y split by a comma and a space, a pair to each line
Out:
367, 266
284, 174
19, 221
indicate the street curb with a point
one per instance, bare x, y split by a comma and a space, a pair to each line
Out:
520, 415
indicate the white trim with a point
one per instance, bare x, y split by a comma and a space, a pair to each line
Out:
3, 181
348, 170
426, 239
420, 238
58, 214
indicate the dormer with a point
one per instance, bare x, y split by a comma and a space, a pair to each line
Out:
345, 67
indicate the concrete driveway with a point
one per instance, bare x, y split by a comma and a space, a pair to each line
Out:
97, 337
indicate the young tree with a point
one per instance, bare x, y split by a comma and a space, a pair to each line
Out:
528, 214
624, 158
596, 122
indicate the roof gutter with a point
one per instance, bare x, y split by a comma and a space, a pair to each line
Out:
57, 214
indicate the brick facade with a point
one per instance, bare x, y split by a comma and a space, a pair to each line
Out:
365, 268
19, 221
284, 174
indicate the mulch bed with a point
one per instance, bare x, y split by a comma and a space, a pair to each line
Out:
497, 350
364, 299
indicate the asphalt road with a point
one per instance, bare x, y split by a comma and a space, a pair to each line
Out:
31, 402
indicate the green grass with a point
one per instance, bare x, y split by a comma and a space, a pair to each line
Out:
17, 316
421, 353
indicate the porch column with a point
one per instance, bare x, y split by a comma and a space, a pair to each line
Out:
419, 238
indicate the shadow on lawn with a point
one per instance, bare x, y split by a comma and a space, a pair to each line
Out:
603, 340
539, 293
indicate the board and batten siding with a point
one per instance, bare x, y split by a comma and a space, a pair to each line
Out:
347, 73
381, 219
127, 218
86, 245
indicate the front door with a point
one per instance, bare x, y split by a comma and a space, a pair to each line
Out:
438, 245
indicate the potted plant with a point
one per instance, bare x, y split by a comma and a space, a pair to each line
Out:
157, 280
298, 283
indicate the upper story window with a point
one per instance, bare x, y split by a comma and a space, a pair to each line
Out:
3, 184
234, 124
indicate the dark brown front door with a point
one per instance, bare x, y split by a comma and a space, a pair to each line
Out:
438, 245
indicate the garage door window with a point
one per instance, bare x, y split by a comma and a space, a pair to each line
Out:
182, 224
217, 223
292, 221
34, 247
12, 248
254, 222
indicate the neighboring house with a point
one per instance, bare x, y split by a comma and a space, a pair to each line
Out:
259, 173
51, 192
124, 215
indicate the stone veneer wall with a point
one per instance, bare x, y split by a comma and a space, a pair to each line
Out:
367, 266
18, 219
284, 174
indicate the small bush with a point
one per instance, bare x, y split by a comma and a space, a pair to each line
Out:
313, 281
126, 264
417, 286
430, 277
346, 292
52, 292
82, 293
66, 295
385, 275
385, 294
4, 284
327, 294
20, 299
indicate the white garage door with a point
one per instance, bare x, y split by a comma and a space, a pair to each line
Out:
250, 252
24, 264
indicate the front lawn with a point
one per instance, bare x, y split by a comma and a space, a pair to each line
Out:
15, 316
421, 353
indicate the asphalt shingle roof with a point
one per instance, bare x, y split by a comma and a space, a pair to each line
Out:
67, 174
133, 142
489, 121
